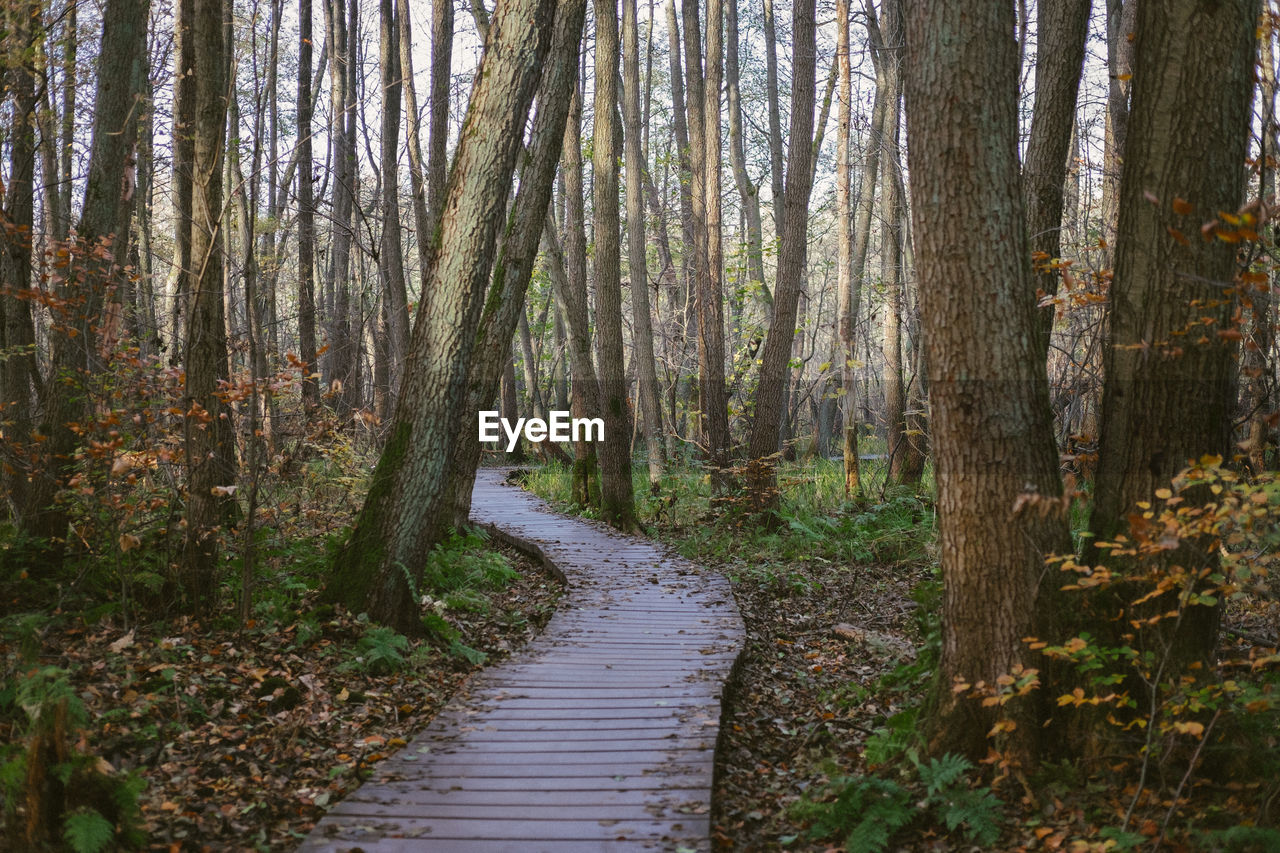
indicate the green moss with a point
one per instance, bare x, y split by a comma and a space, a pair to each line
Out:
354, 568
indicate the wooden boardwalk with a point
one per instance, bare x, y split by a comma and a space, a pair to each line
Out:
597, 736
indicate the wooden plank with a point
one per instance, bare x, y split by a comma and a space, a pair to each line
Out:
598, 736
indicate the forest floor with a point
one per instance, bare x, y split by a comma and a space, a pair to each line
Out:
244, 736
218, 734
822, 747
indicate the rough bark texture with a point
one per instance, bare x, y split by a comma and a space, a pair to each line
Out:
505, 303
617, 500
209, 439
1061, 30
771, 391
406, 511
1170, 381
992, 438
646, 365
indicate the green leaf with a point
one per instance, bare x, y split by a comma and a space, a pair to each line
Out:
87, 831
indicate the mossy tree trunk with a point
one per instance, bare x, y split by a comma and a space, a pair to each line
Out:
407, 510
504, 305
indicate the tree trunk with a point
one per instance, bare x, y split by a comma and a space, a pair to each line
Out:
407, 509
306, 223
417, 170
345, 372
19, 373
646, 365
1257, 354
992, 433
849, 292
1170, 398
891, 254
572, 294
75, 353
441, 77
617, 502
685, 183
390, 254
746, 188
184, 95
776, 152
209, 440
1121, 20
1061, 30
771, 392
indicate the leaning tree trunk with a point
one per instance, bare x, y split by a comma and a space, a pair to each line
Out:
407, 509
1169, 396
505, 303
992, 431
617, 499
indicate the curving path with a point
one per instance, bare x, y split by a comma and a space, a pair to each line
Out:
597, 736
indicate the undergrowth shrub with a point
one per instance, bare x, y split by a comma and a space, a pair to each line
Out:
51, 790
866, 811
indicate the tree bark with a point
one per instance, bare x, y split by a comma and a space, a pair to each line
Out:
617, 499
345, 369
20, 373
892, 212
441, 77
775, 355
417, 169
1170, 394
306, 223
209, 439
1061, 30
776, 152
849, 293
646, 365
572, 293
407, 509
100, 249
749, 191
992, 433
390, 254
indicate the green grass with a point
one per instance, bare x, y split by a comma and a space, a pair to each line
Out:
815, 519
